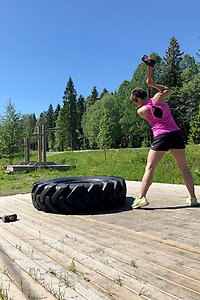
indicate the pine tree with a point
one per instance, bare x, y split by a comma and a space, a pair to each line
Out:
32, 120
50, 126
80, 112
62, 132
172, 73
11, 132
93, 97
42, 118
104, 92
171, 77
67, 120
56, 112
189, 68
28, 122
28, 125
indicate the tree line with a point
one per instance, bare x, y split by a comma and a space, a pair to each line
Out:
109, 120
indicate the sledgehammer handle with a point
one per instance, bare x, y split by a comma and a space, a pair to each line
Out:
149, 76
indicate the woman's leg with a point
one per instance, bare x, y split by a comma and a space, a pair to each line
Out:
154, 157
179, 155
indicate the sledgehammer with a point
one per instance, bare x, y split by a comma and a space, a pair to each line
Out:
9, 218
150, 62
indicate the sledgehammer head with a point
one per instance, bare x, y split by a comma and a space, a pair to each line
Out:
148, 60
9, 218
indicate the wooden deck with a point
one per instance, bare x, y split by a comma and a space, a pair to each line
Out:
151, 253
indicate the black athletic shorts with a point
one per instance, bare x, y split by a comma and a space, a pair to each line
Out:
167, 141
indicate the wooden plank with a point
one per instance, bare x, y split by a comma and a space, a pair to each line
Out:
56, 278
10, 290
20, 282
151, 253
67, 241
111, 285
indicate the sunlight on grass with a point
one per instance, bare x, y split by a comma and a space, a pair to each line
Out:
126, 163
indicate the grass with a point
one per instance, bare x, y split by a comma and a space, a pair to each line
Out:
126, 163
4, 294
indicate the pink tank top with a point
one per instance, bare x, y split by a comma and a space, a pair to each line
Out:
161, 121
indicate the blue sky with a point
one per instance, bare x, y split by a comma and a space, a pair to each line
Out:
96, 42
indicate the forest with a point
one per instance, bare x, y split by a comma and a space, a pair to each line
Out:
109, 119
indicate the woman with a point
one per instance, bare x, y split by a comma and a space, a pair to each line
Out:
167, 136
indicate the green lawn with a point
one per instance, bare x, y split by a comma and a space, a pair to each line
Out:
126, 163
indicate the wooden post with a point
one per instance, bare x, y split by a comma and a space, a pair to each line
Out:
27, 150
39, 132
44, 147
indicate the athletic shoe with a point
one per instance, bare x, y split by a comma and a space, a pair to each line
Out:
140, 202
192, 201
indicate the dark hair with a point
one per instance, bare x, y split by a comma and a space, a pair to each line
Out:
138, 93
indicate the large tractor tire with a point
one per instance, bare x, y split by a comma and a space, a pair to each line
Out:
81, 194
